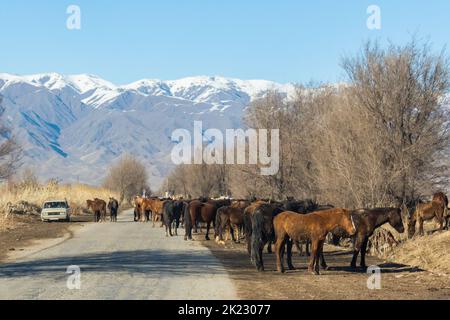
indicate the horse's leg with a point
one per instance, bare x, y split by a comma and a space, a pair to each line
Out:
421, 232
363, 253
441, 221
260, 257
177, 224
236, 232
313, 258
357, 242
323, 263
299, 248
279, 245
170, 229
194, 224
289, 244
269, 247
319, 257
308, 245
208, 225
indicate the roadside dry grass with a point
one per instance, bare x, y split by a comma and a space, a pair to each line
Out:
428, 252
36, 194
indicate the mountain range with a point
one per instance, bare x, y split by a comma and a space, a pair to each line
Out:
73, 127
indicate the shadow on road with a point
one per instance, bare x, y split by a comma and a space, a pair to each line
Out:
147, 261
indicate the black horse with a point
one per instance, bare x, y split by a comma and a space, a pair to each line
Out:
262, 231
113, 207
172, 212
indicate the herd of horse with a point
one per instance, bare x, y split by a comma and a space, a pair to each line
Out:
285, 224
99, 206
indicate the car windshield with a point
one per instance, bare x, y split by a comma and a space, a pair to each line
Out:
55, 205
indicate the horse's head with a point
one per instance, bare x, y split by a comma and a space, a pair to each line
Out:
396, 221
349, 223
88, 204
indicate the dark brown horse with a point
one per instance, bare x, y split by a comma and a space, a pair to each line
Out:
248, 213
113, 207
291, 226
229, 218
196, 212
437, 208
367, 221
98, 207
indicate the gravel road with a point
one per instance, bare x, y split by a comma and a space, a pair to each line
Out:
125, 260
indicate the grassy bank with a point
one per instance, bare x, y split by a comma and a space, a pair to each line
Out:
36, 194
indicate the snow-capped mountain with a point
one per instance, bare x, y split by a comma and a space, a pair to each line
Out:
74, 127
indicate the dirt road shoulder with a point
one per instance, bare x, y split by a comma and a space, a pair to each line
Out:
340, 282
30, 235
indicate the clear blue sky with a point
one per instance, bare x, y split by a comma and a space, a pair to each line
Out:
283, 40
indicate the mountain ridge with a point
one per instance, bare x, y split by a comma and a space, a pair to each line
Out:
74, 126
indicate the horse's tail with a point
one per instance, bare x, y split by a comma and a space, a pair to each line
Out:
218, 221
257, 237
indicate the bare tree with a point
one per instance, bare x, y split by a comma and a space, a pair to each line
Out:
378, 140
10, 151
128, 177
401, 89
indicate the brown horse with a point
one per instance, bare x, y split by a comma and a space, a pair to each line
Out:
98, 207
441, 197
196, 212
157, 209
144, 209
229, 218
437, 208
138, 205
291, 227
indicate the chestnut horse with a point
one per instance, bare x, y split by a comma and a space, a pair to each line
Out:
196, 212
437, 208
140, 209
157, 209
229, 218
98, 207
290, 226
